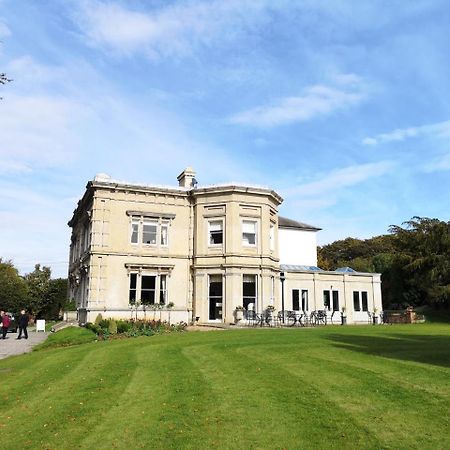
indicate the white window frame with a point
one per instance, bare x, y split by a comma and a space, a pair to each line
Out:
255, 297
161, 224
210, 222
246, 222
158, 287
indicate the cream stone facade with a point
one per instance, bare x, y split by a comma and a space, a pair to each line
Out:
200, 252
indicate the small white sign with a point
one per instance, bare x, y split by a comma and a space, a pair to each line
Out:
40, 325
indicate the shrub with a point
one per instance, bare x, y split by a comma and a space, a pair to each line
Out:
98, 319
112, 327
123, 326
94, 327
104, 324
107, 328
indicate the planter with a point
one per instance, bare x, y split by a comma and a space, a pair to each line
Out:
375, 320
239, 315
343, 320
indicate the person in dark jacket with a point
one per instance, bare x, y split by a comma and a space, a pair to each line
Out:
23, 323
6, 321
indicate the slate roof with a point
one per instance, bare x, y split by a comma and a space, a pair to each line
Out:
284, 222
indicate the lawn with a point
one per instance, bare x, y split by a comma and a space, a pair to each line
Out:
384, 387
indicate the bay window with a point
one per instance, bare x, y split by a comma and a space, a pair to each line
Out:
215, 230
249, 234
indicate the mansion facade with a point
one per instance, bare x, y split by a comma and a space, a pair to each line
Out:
199, 253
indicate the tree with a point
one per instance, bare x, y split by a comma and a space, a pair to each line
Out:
424, 246
414, 261
38, 284
13, 291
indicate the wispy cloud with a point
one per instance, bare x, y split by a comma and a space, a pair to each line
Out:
337, 179
440, 129
171, 30
439, 164
13, 167
36, 131
317, 100
4, 30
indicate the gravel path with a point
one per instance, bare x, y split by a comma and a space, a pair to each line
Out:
11, 346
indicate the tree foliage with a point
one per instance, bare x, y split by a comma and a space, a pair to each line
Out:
414, 260
13, 289
36, 292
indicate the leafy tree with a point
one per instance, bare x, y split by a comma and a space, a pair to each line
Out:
13, 291
414, 260
38, 284
56, 299
424, 245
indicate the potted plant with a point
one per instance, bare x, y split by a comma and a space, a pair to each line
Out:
374, 316
343, 316
239, 313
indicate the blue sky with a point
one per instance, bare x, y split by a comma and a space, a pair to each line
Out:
342, 107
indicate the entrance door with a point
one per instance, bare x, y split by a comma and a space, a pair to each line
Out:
215, 297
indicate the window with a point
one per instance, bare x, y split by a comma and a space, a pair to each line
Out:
364, 301
164, 233
249, 292
215, 232
147, 288
304, 300
360, 302
335, 300
215, 297
154, 232
163, 289
133, 288
295, 300
249, 233
326, 299
135, 231
272, 237
356, 305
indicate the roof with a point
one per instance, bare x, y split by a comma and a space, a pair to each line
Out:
284, 222
299, 268
292, 268
345, 270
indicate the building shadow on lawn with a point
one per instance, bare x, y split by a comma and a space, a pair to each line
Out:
418, 348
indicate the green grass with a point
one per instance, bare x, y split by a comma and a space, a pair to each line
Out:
67, 337
383, 387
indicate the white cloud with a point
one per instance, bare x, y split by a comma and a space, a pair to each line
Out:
172, 30
4, 30
440, 129
440, 164
36, 130
8, 167
330, 183
316, 101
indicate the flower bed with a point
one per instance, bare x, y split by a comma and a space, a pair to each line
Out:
111, 328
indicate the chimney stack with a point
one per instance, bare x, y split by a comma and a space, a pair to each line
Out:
186, 178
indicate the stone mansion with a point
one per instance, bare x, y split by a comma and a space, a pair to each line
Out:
204, 251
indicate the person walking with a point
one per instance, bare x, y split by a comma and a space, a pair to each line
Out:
23, 323
6, 321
